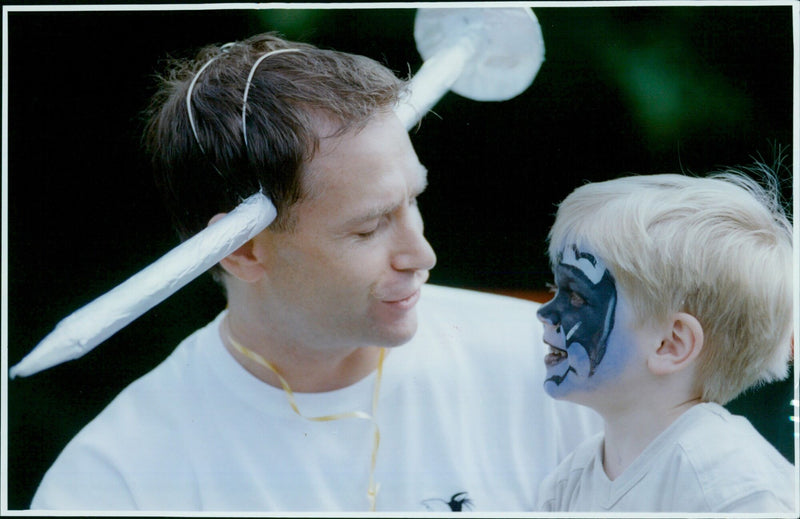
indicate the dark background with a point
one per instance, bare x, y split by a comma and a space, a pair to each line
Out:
623, 90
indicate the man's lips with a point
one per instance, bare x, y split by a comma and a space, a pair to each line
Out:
404, 300
404, 296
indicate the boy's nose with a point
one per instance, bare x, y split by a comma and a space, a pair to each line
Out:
547, 315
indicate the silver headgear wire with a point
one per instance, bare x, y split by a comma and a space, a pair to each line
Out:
247, 86
244, 97
189, 100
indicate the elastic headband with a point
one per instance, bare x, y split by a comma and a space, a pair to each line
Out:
189, 100
247, 86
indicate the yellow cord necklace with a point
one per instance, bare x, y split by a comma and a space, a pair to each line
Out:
372, 490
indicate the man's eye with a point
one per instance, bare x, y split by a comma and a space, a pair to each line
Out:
372, 230
367, 234
576, 300
551, 287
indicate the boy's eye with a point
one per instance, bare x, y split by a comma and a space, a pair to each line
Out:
576, 300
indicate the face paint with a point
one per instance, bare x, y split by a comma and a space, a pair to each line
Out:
578, 320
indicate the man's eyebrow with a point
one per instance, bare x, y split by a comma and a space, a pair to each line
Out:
381, 210
372, 214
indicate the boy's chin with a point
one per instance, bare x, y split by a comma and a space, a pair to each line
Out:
557, 391
566, 391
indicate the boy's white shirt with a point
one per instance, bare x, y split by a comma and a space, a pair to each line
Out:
708, 460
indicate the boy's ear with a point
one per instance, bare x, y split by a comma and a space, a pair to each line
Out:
241, 263
681, 344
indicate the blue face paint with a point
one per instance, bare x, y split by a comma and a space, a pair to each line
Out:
578, 320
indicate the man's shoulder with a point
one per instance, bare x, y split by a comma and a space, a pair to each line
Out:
153, 403
143, 428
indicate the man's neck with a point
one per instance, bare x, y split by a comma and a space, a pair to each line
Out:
629, 432
305, 369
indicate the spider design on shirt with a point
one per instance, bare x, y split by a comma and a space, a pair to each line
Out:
459, 502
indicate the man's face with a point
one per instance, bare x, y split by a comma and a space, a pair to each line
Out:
350, 271
588, 344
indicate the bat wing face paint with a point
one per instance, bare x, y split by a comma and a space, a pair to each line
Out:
578, 320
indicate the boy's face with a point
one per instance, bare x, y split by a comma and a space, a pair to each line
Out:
589, 343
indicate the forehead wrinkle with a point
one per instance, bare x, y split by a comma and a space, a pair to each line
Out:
381, 210
374, 213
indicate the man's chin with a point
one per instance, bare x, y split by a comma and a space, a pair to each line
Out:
400, 339
398, 333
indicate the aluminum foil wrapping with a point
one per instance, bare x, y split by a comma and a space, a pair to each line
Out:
486, 54
482, 54
90, 325
508, 43
434, 79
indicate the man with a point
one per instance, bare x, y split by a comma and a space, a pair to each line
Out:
297, 397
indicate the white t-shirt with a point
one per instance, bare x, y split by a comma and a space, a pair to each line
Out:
463, 420
708, 460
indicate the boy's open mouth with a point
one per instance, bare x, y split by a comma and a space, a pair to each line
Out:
555, 356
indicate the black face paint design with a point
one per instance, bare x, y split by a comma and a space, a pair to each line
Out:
581, 316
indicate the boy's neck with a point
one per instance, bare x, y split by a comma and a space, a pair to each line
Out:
629, 432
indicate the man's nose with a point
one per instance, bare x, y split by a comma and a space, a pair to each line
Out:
413, 251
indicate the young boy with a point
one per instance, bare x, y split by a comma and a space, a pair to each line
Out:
674, 295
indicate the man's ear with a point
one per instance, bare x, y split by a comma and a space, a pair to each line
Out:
241, 263
681, 344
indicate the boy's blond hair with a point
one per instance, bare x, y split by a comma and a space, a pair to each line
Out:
718, 248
